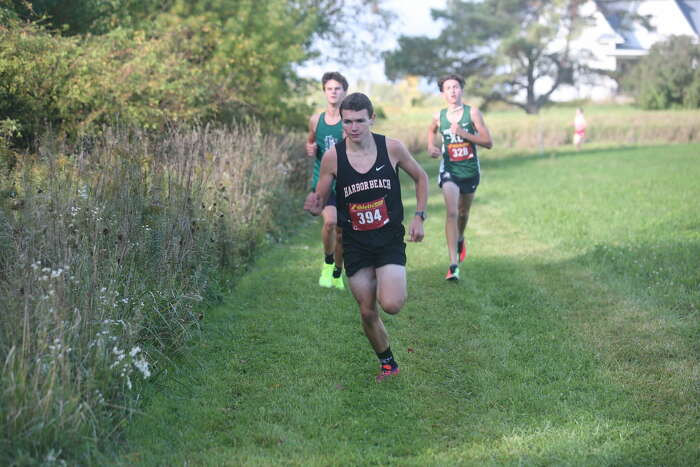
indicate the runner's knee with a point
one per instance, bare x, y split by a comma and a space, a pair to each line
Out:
392, 305
452, 214
368, 314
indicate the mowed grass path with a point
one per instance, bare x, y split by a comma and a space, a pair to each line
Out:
573, 338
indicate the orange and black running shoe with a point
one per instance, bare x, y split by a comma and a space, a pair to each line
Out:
462, 250
385, 371
452, 273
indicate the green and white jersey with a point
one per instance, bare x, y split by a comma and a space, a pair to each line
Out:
458, 156
326, 137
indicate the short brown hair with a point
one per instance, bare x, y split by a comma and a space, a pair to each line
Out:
334, 75
357, 101
442, 80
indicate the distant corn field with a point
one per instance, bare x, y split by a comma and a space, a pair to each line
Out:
514, 131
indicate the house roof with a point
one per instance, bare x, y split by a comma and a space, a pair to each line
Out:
691, 10
640, 23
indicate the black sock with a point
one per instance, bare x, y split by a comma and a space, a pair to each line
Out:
387, 358
337, 272
460, 242
453, 268
329, 259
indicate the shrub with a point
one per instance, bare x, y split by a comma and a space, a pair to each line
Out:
668, 77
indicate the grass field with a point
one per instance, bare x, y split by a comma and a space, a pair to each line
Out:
573, 338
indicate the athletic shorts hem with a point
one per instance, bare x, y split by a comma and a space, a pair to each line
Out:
465, 185
356, 257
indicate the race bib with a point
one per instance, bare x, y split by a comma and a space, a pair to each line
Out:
369, 216
460, 151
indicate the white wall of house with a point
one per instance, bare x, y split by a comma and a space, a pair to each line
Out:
601, 46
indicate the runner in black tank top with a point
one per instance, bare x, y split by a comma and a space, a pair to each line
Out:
370, 212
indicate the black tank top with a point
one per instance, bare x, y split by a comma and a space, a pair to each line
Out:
369, 204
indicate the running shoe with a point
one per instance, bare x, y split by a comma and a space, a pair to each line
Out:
326, 279
338, 283
385, 371
452, 273
462, 250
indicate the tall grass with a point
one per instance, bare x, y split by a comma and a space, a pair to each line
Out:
105, 250
516, 132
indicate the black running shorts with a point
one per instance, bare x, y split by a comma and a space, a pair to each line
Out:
356, 256
466, 185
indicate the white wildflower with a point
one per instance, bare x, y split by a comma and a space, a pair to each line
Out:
119, 356
142, 365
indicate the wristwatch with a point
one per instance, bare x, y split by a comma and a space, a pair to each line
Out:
421, 214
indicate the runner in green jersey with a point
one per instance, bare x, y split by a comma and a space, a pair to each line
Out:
462, 128
325, 130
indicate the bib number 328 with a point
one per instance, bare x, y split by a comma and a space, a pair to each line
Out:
460, 151
369, 216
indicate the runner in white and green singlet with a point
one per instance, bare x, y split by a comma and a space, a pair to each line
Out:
325, 130
462, 128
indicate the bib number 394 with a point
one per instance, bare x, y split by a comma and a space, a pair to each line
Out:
369, 216
460, 151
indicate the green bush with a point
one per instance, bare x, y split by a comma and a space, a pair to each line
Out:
668, 77
183, 69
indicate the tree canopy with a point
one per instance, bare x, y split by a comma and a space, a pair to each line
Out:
514, 51
668, 77
78, 63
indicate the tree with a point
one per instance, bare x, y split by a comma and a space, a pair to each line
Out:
149, 63
514, 51
669, 76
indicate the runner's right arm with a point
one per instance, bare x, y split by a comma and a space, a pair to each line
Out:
315, 201
311, 137
433, 150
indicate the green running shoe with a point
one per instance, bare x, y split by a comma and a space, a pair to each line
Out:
326, 279
338, 283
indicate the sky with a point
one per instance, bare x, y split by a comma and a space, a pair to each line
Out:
413, 19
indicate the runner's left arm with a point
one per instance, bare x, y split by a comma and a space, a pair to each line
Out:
482, 136
404, 159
